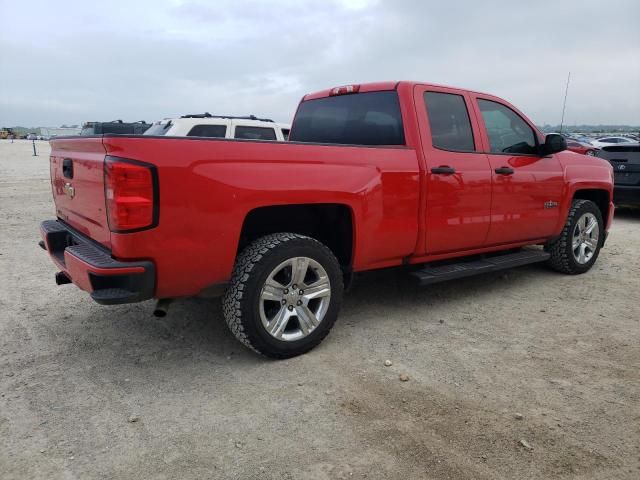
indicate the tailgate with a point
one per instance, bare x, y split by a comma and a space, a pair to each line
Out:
77, 178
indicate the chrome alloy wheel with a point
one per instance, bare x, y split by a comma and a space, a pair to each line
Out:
586, 235
295, 298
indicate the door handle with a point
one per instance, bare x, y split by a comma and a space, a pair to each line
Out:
443, 170
504, 171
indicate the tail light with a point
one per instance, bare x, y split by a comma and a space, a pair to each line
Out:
131, 193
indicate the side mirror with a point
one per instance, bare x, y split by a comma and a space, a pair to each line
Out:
553, 143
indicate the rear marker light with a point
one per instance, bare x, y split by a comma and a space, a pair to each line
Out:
131, 190
344, 90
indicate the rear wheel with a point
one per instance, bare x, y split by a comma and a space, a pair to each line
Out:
285, 295
578, 246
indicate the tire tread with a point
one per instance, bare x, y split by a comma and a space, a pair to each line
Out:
559, 249
249, 260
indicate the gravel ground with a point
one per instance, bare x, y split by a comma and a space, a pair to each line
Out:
524, 374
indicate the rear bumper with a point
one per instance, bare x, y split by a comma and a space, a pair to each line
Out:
626, 195
92, 268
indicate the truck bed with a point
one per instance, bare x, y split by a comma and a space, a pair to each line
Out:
208, 186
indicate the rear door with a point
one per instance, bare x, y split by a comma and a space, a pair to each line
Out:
527, 188
77, 178
458, 183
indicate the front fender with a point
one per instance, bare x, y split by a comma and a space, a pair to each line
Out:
590, 175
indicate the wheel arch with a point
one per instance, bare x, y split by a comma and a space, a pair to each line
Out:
330, 223
598, 196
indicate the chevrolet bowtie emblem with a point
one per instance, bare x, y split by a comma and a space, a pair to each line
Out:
69, 191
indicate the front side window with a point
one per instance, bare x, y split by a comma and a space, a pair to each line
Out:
214, 131
507, 131
255, 133
449, 122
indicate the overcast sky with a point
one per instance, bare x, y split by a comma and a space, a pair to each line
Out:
75, 61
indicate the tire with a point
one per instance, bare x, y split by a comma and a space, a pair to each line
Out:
590, 153
565, 257
248, 303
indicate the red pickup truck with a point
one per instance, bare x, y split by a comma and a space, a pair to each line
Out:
447, 182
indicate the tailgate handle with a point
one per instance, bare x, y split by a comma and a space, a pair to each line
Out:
67, 168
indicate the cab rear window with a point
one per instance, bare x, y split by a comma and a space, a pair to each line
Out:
371, 118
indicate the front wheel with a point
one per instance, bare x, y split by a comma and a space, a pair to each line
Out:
284, 296
577, 248
590, 153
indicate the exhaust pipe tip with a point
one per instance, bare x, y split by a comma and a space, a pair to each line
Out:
162, 307
62, 278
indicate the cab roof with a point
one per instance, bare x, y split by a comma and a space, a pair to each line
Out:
381, 86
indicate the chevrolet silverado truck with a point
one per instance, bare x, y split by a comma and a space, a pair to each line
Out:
446, 182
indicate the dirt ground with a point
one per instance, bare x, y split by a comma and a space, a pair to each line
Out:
528, 355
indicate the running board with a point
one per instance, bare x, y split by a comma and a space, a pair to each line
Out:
434, 274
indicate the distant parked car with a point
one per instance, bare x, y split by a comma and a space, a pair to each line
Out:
625, 160
610, 141
221, 126
581, 138
32, 136
116, 126
581, 147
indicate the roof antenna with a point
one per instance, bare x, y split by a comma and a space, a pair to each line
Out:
564, 105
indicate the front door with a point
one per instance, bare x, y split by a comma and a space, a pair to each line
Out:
527, 188
458, 177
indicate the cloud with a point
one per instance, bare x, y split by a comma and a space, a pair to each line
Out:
68, 62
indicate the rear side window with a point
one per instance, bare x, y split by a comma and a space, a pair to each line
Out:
507, 131
116, 128
215, 131
371, 118
449, 122
255, 133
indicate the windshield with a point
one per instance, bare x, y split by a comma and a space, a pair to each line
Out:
158, 128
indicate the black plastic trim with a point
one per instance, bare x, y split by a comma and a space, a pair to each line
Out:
213, 139
67, 168
443, 170
626, 195
467, 267
109, 289
504, 171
